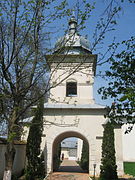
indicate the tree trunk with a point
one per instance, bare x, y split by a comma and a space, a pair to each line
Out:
9, 159
7, 175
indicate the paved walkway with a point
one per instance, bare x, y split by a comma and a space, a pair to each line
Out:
68, 176
70, 166
69, 170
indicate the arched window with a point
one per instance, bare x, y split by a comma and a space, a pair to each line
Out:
71, 88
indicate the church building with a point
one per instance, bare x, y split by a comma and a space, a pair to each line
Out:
71, 110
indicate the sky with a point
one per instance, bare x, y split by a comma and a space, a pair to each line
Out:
124, 29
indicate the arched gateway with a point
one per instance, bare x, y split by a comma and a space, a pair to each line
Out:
71, 109
61, 137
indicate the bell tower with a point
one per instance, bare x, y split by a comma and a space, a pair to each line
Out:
72, 69
71, 110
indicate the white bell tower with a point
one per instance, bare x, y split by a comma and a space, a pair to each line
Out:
72, 69
71, 110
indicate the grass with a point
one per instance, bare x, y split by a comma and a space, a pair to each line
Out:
129, 168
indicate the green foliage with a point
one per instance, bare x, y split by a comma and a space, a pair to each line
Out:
108, 169
33, 151
121, 86
129, 168
24, 40
14, 177
11, 136
25, 31
84, 163
56, 158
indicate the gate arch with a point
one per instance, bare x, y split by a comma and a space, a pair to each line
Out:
61, 137
60, 134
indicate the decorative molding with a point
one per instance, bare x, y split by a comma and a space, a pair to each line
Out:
79, 84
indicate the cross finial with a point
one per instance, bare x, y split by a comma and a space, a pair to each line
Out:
72, 24
73, 13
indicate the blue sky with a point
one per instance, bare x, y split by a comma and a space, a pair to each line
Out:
125, 28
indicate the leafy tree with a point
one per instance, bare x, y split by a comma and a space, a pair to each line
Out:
25, 27
24, 31
84, 163
33, 151
121, 84
108, 161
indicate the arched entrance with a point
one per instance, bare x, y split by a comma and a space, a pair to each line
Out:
56, 152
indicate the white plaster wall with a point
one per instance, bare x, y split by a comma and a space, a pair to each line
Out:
25, 133
19, 161
128, 144
84, 77
119, 150
79, 148
98, 155
89, 125
87, 122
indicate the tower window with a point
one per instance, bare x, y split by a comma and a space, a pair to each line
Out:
71, 89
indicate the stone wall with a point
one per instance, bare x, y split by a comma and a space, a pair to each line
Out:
19, 161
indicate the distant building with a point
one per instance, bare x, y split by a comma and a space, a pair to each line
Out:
69, 149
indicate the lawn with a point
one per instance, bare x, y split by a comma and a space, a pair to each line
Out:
129, 168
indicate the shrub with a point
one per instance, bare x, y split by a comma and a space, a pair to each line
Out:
108, 162
84, 163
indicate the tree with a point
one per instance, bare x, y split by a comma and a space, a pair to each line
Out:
84, 163
108, 163
121, 86
19, 60
33, 151
56, 158
24, 30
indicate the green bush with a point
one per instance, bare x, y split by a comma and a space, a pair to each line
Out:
56, 158
33, 151
84, 163
108, 168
